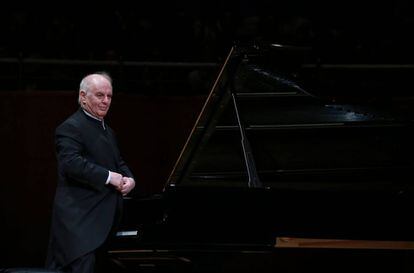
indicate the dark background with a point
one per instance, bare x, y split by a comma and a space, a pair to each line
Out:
341, 31
163, 57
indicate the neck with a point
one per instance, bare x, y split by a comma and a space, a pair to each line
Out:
91, 115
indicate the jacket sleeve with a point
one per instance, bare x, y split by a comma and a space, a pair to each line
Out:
122, 166
125, 171
71, 160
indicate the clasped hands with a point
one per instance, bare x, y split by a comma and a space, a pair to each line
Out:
122, 183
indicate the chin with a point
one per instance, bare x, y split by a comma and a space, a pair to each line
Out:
102, 114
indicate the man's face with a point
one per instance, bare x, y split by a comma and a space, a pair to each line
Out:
98, 99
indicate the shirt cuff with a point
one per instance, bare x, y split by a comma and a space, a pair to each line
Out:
108, 179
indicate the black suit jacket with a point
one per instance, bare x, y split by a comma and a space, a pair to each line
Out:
84, 207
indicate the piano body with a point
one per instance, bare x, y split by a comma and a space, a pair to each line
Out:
278, 153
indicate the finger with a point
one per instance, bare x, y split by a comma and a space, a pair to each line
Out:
125, 190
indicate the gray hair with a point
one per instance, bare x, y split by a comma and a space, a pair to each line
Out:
86, 82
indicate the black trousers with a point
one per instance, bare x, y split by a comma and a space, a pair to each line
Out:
83, 264
96, 261
93, 262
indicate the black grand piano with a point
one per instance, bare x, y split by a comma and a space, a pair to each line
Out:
284, 148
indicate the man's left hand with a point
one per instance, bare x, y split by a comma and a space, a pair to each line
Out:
128, 185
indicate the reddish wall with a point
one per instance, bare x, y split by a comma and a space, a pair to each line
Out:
150, 132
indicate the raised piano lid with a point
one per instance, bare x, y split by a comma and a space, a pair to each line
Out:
303, 133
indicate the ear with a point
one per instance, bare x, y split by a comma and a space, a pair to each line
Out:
82, 95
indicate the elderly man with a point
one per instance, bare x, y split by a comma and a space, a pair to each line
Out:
92, 177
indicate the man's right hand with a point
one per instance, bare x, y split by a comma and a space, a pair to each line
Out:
116, 180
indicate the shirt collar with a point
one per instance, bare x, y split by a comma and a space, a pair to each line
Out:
92, 116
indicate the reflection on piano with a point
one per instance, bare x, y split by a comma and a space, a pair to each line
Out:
276, 155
